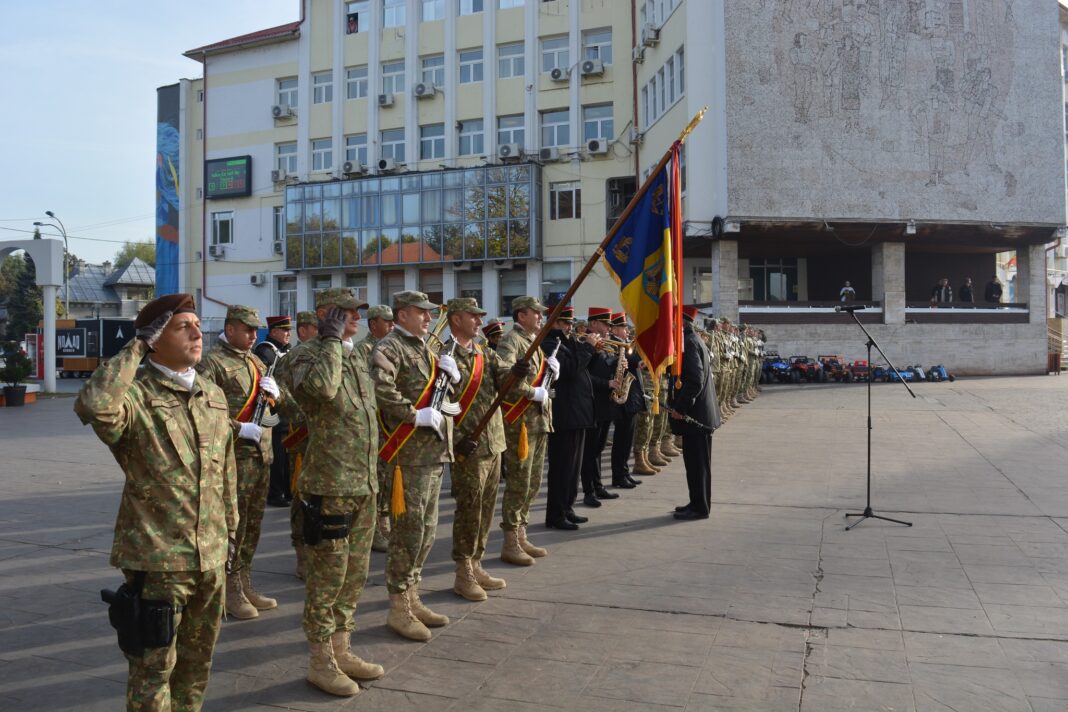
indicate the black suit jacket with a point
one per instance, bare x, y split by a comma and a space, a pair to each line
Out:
697, 395
602, 370
573, 404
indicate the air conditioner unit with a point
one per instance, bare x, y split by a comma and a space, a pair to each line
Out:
277, 247
504, 264
385, 100
509, 150
281, 111
424, 90
592, 68
352, 168
278, 175
650, 35
217, 251
549, 153
638, 54
385, 165
636, 136
597, 146
257, 279
558, 74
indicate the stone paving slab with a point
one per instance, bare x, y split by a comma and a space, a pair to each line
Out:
768, 605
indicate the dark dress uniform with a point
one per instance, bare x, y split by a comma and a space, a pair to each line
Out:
572, 418
601, 370
697, 399
623, 421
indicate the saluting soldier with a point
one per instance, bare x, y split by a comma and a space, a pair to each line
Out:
475, 477
170, 433
528, 424
419, 443
271, 349
379, 323
241, 375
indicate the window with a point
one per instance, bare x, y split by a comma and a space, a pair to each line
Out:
391, 283
666, 86
222, 228
471, 66
320, 282
774, 279
393, 13
393, 77
358, 17
669, 68
358, 284
356, 148
392, 144
285, 157
433, 10
356, 82
471, 138
287, 91
434, 70
322, 154
431, 141
322, 87
597, 122
469, 285
554, 54
510, 60
513, 283
505, 4
510, 129
679, 58
279, 215
597, 44
565, 200
555, 129
470, 7
662, 95
430, 284
555, 279
287, 295
645, 106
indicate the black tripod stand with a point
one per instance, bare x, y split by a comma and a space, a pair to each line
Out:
868, 513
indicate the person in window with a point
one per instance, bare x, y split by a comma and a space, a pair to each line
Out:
847, 293
993, 290
353, 25
942, 293
965, 293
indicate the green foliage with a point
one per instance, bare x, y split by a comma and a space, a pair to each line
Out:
24, 301
146, 251
17, 365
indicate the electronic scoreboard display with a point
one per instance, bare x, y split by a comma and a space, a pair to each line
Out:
228, 177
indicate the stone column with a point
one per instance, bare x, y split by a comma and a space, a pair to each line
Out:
1031, 281
888, 280
725, 279
48, 343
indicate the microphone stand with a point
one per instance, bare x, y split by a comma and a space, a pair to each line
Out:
868, 513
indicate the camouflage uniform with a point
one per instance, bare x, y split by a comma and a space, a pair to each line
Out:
298, 453
383, 470
178, 508
643, 421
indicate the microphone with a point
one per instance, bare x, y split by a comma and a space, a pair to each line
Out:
849, 308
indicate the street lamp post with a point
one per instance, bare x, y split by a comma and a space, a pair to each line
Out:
66, 260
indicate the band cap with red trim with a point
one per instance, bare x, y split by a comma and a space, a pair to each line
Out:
493, 328
619, 319
599, 314
689, 312
279, 322
566, 314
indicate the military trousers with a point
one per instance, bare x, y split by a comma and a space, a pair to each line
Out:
643, 430
175, 677
335, 570
253, 478
474, 483
412, 533
384, 471
296, 512
524, 477
660, 426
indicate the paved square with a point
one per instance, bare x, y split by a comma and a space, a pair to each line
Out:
768, 605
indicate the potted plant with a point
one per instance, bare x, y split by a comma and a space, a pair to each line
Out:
16, 368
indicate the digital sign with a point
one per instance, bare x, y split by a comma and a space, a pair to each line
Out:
228, 177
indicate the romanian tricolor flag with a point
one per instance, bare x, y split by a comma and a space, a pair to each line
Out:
645, 259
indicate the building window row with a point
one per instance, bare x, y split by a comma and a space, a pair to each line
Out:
665, 87
656, 12
358, 14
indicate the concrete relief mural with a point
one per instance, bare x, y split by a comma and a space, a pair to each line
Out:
895, 108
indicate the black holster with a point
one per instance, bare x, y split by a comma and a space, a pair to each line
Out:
141, 624
319, 526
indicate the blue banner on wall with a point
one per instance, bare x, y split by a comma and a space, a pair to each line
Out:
167, 142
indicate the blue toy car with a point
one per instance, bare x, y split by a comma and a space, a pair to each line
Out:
776, 369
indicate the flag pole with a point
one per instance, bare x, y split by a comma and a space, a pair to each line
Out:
471, 440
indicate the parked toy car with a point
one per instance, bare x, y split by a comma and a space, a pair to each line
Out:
907, 374
804, 368
776, 369
939, 373
859, 370
835, 368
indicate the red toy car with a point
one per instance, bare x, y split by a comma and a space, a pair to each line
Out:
804, 368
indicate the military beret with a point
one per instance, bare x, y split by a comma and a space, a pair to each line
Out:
175, 303
464, 304
413, 299
338, 297
279, 322
380, 311
307, 317
528, 303
249, 316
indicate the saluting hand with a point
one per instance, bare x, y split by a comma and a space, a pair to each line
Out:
333, 325
150, 333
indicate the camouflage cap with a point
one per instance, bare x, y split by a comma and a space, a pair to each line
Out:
528, 303
307, 317
413, 299
248, 316
380, 311
338, 296
465, 304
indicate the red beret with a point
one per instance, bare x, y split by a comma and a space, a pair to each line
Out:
175, 303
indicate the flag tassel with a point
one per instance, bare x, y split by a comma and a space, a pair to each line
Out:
522, 450
396, 500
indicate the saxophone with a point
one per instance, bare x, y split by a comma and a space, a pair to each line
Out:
624, 377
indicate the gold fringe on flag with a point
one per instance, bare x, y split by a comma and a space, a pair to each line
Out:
523, 449
656, 396
396, 502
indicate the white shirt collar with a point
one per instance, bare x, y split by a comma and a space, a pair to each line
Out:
184, 378
347, 345
404, 331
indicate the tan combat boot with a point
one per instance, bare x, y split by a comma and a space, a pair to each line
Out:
536, 551
655, 458
324, 673
512, 553
350, 663
300, 561
237, 606
641, 465
466, 586
381, 540
487, 582
426, 616
667, 446
402, 621
257, 599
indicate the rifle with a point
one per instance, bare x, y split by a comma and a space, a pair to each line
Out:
550, 379
262, 399
441, 387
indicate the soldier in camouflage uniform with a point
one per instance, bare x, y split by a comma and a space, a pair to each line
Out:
524, 476
379, 323
337, 486
241, 375
170, 433
475, 477
419, 443
643, 429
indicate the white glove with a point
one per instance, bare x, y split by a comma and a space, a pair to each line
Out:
447, 364
428, 418
540, 395
553, 365
268, 386
450, 408
250, 431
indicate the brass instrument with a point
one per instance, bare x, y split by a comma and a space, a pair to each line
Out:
604, 342
434, 335
623, 377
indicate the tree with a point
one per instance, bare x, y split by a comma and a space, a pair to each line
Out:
146, 251
25, 305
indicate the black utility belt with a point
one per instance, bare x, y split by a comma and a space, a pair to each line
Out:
319, 526
141, 624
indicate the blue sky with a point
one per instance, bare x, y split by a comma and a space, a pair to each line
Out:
78, 114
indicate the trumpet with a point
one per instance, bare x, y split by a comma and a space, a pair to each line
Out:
605, 342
